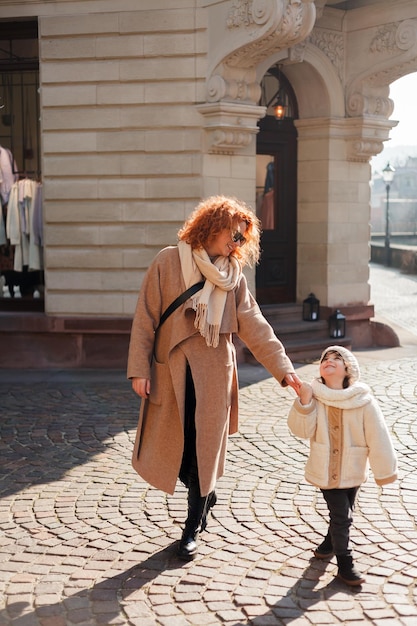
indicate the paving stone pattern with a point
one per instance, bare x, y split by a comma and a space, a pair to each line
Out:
85, 542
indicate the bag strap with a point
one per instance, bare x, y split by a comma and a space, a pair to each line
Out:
181, 298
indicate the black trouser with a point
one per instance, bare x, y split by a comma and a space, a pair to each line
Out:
189, 469
340, 503
197, 504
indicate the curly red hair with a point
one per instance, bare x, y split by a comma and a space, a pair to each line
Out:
217, 213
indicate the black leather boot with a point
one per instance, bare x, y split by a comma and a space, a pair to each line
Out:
211, 501
348, 572
197, 510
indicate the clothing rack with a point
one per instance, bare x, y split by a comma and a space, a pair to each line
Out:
27, 173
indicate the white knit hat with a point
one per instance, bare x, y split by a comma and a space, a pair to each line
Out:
349, 360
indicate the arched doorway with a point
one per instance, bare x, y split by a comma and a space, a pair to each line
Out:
276, 191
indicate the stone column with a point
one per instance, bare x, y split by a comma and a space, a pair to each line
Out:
334, 210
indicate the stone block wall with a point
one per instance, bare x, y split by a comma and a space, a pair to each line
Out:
121, 147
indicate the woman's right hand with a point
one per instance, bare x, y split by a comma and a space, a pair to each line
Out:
141, 386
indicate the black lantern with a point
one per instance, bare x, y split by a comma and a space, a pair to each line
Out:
311, 308
337, 325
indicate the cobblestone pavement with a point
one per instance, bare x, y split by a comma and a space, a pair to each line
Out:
85, 542
394, 296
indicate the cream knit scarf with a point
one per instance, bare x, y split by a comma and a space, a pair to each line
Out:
221, 276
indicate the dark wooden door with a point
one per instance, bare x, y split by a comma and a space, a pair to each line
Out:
277, 209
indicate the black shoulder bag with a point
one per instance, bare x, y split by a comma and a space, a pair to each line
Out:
182, 298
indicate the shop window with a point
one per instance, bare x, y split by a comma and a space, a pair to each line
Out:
21, 227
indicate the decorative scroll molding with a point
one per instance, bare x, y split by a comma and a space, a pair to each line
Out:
393, 49
230, 127
395, 37
286, 22
248, 12
234, 86
368, 103
242, 33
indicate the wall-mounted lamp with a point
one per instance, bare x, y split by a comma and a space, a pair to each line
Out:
279, 109
279, 98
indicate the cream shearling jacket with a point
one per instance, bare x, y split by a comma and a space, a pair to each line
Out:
347, 433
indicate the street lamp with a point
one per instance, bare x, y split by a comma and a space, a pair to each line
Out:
388, 176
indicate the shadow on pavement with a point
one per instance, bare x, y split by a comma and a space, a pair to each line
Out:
52, 421
45, 430
123, 595
302, 596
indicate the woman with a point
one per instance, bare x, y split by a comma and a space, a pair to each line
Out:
185, 371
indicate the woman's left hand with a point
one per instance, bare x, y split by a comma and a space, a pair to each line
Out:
141, 386
293, 381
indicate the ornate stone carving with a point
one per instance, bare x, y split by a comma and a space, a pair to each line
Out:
332, 44
394, 37
258, 29
384, 40
233, 86
296, 53
393, 48
230, 126
242, 33
365, 137
247, 12
362, 103
362, 151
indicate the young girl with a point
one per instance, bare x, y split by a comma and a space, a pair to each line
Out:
347, 432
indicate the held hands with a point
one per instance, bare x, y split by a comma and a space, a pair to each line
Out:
293, 381
141, 386
305, 393
303, 390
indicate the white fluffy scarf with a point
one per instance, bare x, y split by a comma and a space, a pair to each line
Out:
352, 397
221, 276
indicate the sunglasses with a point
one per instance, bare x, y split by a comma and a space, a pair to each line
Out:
237, 237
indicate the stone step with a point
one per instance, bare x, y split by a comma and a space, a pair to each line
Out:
304, 351
287, 329
304, 341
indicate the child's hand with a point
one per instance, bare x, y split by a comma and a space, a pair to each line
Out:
305, 393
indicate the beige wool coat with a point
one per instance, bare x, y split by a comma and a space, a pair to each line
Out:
159, 440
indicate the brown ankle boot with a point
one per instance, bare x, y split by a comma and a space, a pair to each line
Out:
347, 572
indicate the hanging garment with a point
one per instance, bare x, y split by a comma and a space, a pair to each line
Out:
3, 238
7, 176
22, 208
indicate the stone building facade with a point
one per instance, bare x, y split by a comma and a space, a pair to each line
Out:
146, 107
